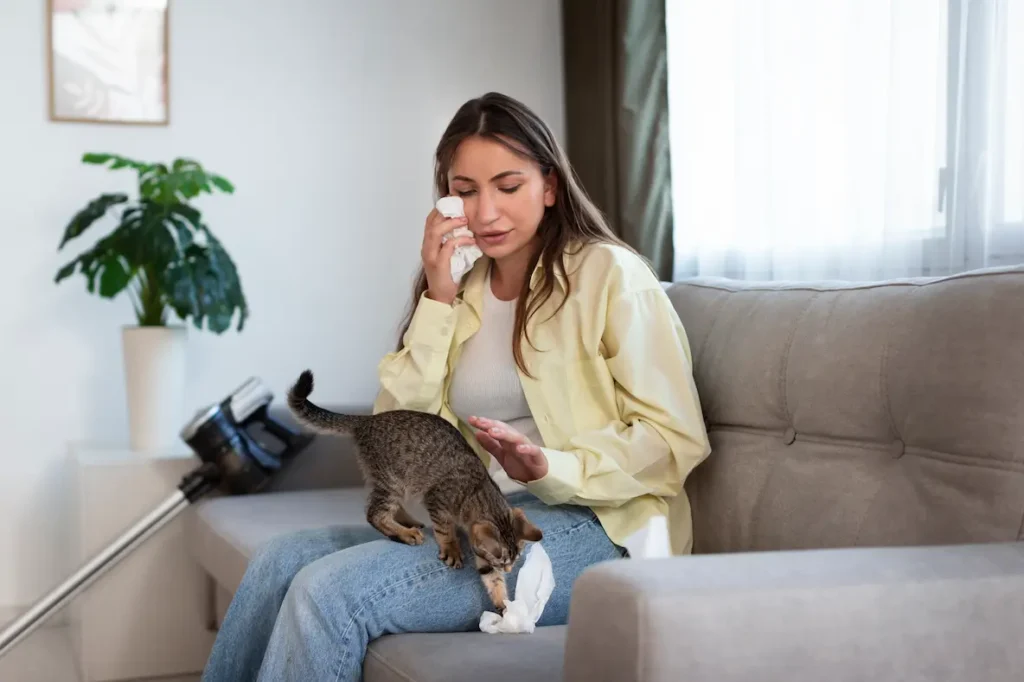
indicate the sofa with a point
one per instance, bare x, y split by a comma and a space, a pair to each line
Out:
859, 518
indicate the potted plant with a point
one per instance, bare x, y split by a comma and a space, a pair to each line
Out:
162, 255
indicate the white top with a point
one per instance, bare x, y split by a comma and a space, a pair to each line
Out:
486, 381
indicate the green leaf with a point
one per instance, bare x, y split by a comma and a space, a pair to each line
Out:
189, 215
158, 247
114, 278
87, 263
92, 212
123, 245
66, 271
180, 288
206, 288
127, 241
181, 231
183, 284
222, 184
233, 296
96, 158
118, 161
189, 186
153, 184
180, 165
190, 183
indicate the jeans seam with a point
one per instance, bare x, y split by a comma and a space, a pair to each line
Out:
362, 607
363, 603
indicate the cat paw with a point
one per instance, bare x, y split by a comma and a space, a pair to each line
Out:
451, 556
411, 536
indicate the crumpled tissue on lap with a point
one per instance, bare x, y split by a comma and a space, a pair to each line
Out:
536, 580
464, 256
534, 585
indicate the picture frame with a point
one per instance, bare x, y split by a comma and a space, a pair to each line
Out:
108, 61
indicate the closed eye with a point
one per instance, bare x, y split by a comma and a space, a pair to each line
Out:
471, 192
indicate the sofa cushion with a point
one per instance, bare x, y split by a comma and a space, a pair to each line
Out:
889, 413
467, 657
224, 532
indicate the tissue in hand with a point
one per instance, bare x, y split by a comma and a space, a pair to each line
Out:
534, 585
464, 256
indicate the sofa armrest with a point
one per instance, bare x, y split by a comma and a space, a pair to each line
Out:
909, 614
327, 462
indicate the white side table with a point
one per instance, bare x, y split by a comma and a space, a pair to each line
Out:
147, 616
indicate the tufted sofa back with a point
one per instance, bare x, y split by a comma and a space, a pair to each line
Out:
845, 415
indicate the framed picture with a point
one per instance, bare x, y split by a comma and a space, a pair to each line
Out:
108, 61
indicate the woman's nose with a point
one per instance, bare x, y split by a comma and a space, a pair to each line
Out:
486, 208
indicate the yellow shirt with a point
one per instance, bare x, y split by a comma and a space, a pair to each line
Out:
612, 391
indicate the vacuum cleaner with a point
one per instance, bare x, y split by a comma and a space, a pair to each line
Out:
235, 461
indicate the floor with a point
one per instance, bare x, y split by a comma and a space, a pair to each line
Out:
46, 656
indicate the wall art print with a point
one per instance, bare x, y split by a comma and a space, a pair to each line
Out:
108, 61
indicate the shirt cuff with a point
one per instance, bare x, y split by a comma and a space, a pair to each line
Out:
563, 480
432, 325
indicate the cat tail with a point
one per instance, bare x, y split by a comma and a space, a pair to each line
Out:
315, 417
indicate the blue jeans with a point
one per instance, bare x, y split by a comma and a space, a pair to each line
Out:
311, 602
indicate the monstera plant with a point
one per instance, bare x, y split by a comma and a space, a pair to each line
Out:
166, 258
160, 251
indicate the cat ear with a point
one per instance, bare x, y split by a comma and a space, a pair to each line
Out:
484, 536
524, 529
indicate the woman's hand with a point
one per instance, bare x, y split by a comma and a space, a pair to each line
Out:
522, 460
437, 257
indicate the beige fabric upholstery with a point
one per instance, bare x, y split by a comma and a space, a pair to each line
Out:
849, 415
467, 657
224, 532
916, 614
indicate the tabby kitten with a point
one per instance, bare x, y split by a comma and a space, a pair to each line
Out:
406, 454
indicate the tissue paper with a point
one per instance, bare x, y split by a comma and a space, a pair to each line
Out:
534, 585
464, 256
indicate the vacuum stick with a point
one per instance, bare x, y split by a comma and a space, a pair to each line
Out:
193, 486
234, 461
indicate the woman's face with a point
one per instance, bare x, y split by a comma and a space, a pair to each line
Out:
504, 195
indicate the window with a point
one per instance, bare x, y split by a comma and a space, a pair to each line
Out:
846, 139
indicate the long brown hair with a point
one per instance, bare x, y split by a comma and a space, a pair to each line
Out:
572, 220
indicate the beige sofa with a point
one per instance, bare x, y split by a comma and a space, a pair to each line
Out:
859, 518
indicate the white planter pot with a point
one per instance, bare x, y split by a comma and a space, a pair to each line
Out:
154, 368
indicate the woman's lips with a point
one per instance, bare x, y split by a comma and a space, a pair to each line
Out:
493, 238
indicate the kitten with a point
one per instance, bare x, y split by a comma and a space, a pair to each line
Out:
407, 454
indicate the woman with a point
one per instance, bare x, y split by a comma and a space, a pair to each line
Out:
559, 355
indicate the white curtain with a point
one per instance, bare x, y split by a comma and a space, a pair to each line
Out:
845, 139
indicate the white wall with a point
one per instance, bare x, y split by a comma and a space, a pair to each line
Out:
324, 115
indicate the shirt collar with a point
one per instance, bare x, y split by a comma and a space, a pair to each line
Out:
472, 288
538, 274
